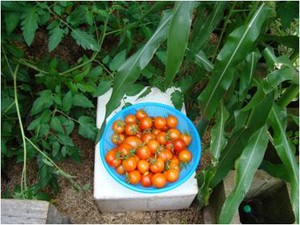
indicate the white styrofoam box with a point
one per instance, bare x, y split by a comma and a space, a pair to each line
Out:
111, 196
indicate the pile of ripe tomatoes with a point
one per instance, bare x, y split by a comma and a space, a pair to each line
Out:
149, 150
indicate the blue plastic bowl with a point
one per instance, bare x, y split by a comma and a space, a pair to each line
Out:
154, 109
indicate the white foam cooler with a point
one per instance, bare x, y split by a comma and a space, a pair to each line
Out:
111, 196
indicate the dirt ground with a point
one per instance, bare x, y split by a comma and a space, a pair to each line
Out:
80, 206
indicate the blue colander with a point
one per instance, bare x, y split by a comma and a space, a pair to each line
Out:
153, 109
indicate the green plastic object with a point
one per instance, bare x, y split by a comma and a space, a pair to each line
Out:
247, 208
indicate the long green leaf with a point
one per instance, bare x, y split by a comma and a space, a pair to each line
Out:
240, 42
218, 140
129, 72
29, 24
247, 121
178, 38
285, 151
245, 168
202, 61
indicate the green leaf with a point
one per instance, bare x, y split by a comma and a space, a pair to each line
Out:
285, 151
129, 72
29, 24
11, 21
87, 127
43, 102
82, 101
95, 72
103, 87
67, 101
287, 11
178, 38
135, 89
247, 121
65, 140
145, 93
86, 187
177, 99
205, 26
284, 74
55, 38
162, 56
289, 40
239, 43
55, 148
245, 168
118, 60
56, 125
275, 170
202, 61
218, 139
85, 40
68, 125
47, 162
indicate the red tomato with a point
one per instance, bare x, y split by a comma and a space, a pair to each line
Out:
129, 164
187, 139
160, 122
134, 177
117, 139
172, 121
157, 166
120, 170
159, 180
131, 129
143, 166
111, 158
178, 145
153, 146
172, 175
173, 134
169, 145
147, 137
133, 141
145, 123
146, 180
185, 156
130, 119
141, 114
162, 138
165, 155
155, 132
118, 126
143, 152
124, 149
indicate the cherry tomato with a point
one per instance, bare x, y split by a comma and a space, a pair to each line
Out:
169, 145
134, 177
145, 123
130, 119
187, 139
178, 145
172, 175
173, 134
120, 170
146, 179
129, 164
147, 137
117, 139
131, 129
111, 158
141, 114
143, 166
143, 152
160, 122
157, 166
172, 121
124, 149
165, 155
118, 126
153, 146
139, 135
185, 156
159, 180
133, 141
162, 138
155, 132
174, 166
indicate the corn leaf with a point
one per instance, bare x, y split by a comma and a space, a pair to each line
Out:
178, 38
202, 61
239, 43
218, 140
130, 70
245, 168
247, 121
285, 151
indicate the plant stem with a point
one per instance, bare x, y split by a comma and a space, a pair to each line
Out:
23, 177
